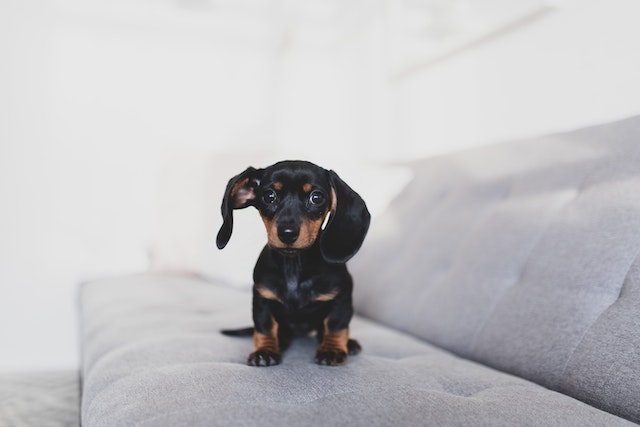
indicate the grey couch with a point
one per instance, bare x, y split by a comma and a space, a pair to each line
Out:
501, 287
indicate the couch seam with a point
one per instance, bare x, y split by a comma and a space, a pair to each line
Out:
543, 231
561, 377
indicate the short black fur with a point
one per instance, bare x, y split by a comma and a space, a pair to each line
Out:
301, 282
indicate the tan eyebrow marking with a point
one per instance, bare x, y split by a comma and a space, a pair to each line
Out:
277, 186
307, 187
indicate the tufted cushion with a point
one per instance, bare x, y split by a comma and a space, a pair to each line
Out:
523, 256
153, 356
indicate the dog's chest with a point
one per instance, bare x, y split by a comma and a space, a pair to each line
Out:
298, 290
291, 271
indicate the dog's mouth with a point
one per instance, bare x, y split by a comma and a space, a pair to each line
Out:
289, 251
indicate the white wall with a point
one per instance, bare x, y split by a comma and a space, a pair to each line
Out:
95, 97
92, 100
575, 66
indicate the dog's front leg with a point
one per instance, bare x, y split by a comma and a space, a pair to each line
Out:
336, 346
266, 350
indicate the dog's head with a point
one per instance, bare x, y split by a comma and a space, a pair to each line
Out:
294, 199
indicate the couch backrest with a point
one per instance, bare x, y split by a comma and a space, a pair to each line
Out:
523, 256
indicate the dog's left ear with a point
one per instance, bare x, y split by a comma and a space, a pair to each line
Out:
348, 223
240, 193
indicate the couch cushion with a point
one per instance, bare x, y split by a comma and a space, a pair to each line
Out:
153, 356
523, 256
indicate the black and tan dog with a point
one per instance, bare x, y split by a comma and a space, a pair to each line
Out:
301, 282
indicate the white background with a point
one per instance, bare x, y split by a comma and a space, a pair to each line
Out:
99, 99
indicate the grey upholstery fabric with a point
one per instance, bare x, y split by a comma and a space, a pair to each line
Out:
153, 356
45, 399
523, 256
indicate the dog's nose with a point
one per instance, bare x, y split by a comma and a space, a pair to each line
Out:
288, 234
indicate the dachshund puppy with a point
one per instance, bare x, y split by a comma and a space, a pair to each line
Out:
301, 282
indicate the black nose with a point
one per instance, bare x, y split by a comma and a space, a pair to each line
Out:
288, 234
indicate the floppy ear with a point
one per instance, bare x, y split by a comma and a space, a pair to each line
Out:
239, 194
348, 223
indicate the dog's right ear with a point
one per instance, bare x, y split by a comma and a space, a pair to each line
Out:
240, 193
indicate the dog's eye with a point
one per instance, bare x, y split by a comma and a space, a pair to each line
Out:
316, 198
270, 197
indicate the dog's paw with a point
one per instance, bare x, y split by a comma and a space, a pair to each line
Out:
264, 357
331, 356
354, 347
